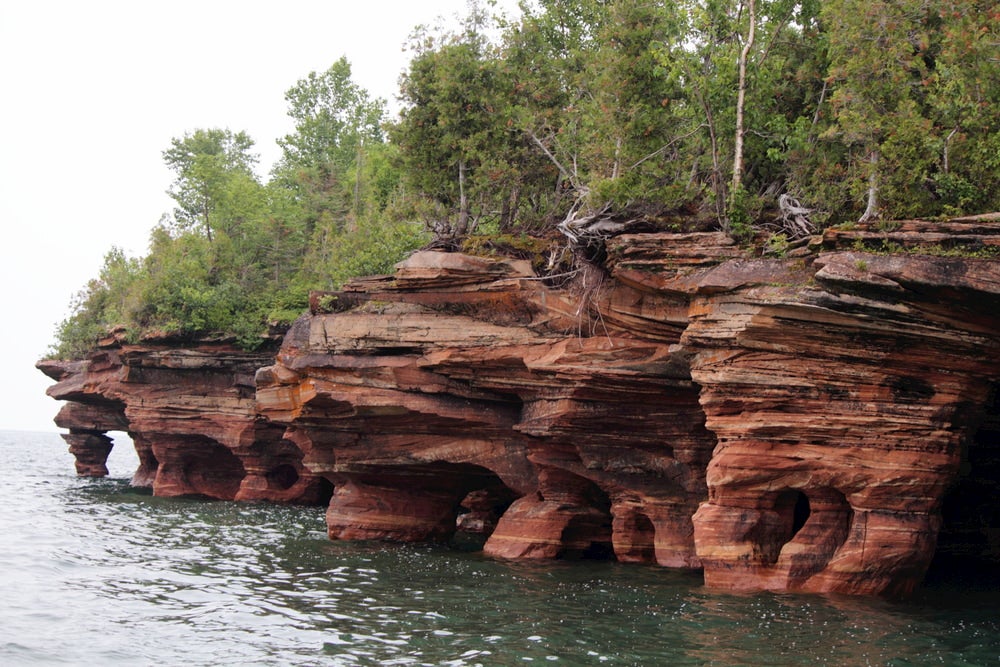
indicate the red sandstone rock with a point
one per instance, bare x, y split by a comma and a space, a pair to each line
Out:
786, 424
190, 411
464, 387
840, 410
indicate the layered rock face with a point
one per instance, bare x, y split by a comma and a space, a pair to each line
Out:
189, 409
841, 420
845, 390
465, 393
808, 423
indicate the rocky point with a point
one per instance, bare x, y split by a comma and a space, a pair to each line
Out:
823, 421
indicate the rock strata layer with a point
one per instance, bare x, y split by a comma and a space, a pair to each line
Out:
824, 422
190, 411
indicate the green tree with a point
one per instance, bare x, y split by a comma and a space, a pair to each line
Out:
331, 189
107, 302
336, 124
878, 65
208, 164
550, 53
965, 94
632, 116
333, 118
451, 134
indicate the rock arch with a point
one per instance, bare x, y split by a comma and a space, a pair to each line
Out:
412, 503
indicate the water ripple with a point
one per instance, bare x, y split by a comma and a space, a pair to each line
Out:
95, 572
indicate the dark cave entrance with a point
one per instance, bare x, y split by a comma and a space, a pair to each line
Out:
587, 534
283, 476
800, 513
211, 469
587, 537
462, 502
479, 511
324, 492
794, 509
968, 547
644, 539
819, 517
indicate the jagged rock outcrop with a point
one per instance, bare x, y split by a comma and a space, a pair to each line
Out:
825, 421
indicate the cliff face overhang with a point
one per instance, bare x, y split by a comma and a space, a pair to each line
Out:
841, 413
785, 424
189, 408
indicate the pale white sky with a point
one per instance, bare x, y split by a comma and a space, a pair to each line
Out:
92, 93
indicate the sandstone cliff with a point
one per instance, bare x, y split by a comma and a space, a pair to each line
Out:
189, 409
826, 421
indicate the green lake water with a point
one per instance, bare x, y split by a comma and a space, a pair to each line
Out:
94, 572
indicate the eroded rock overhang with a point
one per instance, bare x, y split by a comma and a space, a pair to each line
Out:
792, 423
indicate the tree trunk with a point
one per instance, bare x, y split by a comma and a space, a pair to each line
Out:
718, 182
508, 211
204, 214
741, 93
871, 209
357, 183
463, 202
946, 166
616, 167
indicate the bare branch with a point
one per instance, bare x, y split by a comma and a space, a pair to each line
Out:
795, 217
562, 170
658, 151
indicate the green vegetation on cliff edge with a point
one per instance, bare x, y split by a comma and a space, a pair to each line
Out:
698, 110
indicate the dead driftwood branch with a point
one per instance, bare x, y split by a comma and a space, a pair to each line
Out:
585, 230
795, 217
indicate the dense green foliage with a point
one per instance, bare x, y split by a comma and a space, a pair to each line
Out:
702, 109
238, 253
707, 107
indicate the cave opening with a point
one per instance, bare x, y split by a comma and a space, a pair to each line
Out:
211, 469
587, 537
800, 513
467, 499
817, 523
324, 492
968, 546
587, 534
478, 514
283, 476
794, 509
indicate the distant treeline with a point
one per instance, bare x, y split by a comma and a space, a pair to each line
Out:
699, 110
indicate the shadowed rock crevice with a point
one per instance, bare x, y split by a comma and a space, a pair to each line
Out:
197, 466
968, 547
282, 477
